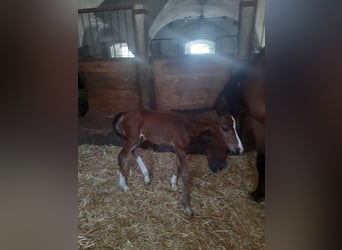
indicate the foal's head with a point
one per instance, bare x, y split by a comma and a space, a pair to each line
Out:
216, 150
222, 138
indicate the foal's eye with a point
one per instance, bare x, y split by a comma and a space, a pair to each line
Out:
225, 129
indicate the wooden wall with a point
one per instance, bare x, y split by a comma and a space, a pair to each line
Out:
111, 86
189, 82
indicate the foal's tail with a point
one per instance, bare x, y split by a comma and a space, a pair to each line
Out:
117, 124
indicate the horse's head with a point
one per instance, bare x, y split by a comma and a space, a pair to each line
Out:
227, 127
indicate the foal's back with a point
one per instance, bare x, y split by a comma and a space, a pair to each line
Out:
163, 127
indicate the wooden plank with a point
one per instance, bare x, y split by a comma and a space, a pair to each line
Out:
187, 92
189, 82
115, 66
186, 65
104, 102
110, 80
111, 86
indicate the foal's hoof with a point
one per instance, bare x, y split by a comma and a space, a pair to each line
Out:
188, 211
257, 196
147, 180
124, 187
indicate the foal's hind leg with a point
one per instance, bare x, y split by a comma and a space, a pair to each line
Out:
122, 159
142, 166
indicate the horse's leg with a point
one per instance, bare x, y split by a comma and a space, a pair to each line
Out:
258, 131
259, 193
142, 166
122, 159
175, 175
181, 155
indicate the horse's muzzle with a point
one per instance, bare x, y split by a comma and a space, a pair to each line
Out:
216, 165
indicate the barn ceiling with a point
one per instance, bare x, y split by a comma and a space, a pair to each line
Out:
180, 9
163, 12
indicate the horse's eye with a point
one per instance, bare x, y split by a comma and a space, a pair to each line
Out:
225, 129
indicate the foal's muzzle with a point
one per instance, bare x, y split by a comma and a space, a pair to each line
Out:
236, 151
216, 165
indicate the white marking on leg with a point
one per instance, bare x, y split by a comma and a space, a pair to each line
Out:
174, 182
122, 182
142, 136
144, 169
237, 136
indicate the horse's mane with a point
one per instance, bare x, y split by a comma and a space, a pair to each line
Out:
231, 95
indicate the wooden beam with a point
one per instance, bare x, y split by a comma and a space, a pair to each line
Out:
247, 15
115, 66
143, 68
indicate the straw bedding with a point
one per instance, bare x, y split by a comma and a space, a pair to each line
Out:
150, 216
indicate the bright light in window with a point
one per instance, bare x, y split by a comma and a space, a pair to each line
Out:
120, 50
199, 48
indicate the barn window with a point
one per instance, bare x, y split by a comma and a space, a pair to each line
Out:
118, 50
200, 47
105, 33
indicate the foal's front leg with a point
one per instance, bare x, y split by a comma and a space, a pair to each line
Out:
181, 155
175, 175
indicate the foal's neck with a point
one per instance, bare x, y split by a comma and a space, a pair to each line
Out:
200, 125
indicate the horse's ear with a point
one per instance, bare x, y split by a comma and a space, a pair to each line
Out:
222, 107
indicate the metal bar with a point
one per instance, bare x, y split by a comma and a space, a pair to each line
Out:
91, 35
130, 34
83, 28
112, 29
97, 27
249, 3
107, 8
134, 33
118, 22
111, 24
126, 29
177, 44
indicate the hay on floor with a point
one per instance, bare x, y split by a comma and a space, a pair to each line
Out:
150, 216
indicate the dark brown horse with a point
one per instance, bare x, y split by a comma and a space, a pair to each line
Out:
176, 130
244, 96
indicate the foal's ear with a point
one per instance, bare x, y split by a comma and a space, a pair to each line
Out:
205, 136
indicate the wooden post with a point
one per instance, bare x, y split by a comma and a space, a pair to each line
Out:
141, 55
247, 16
